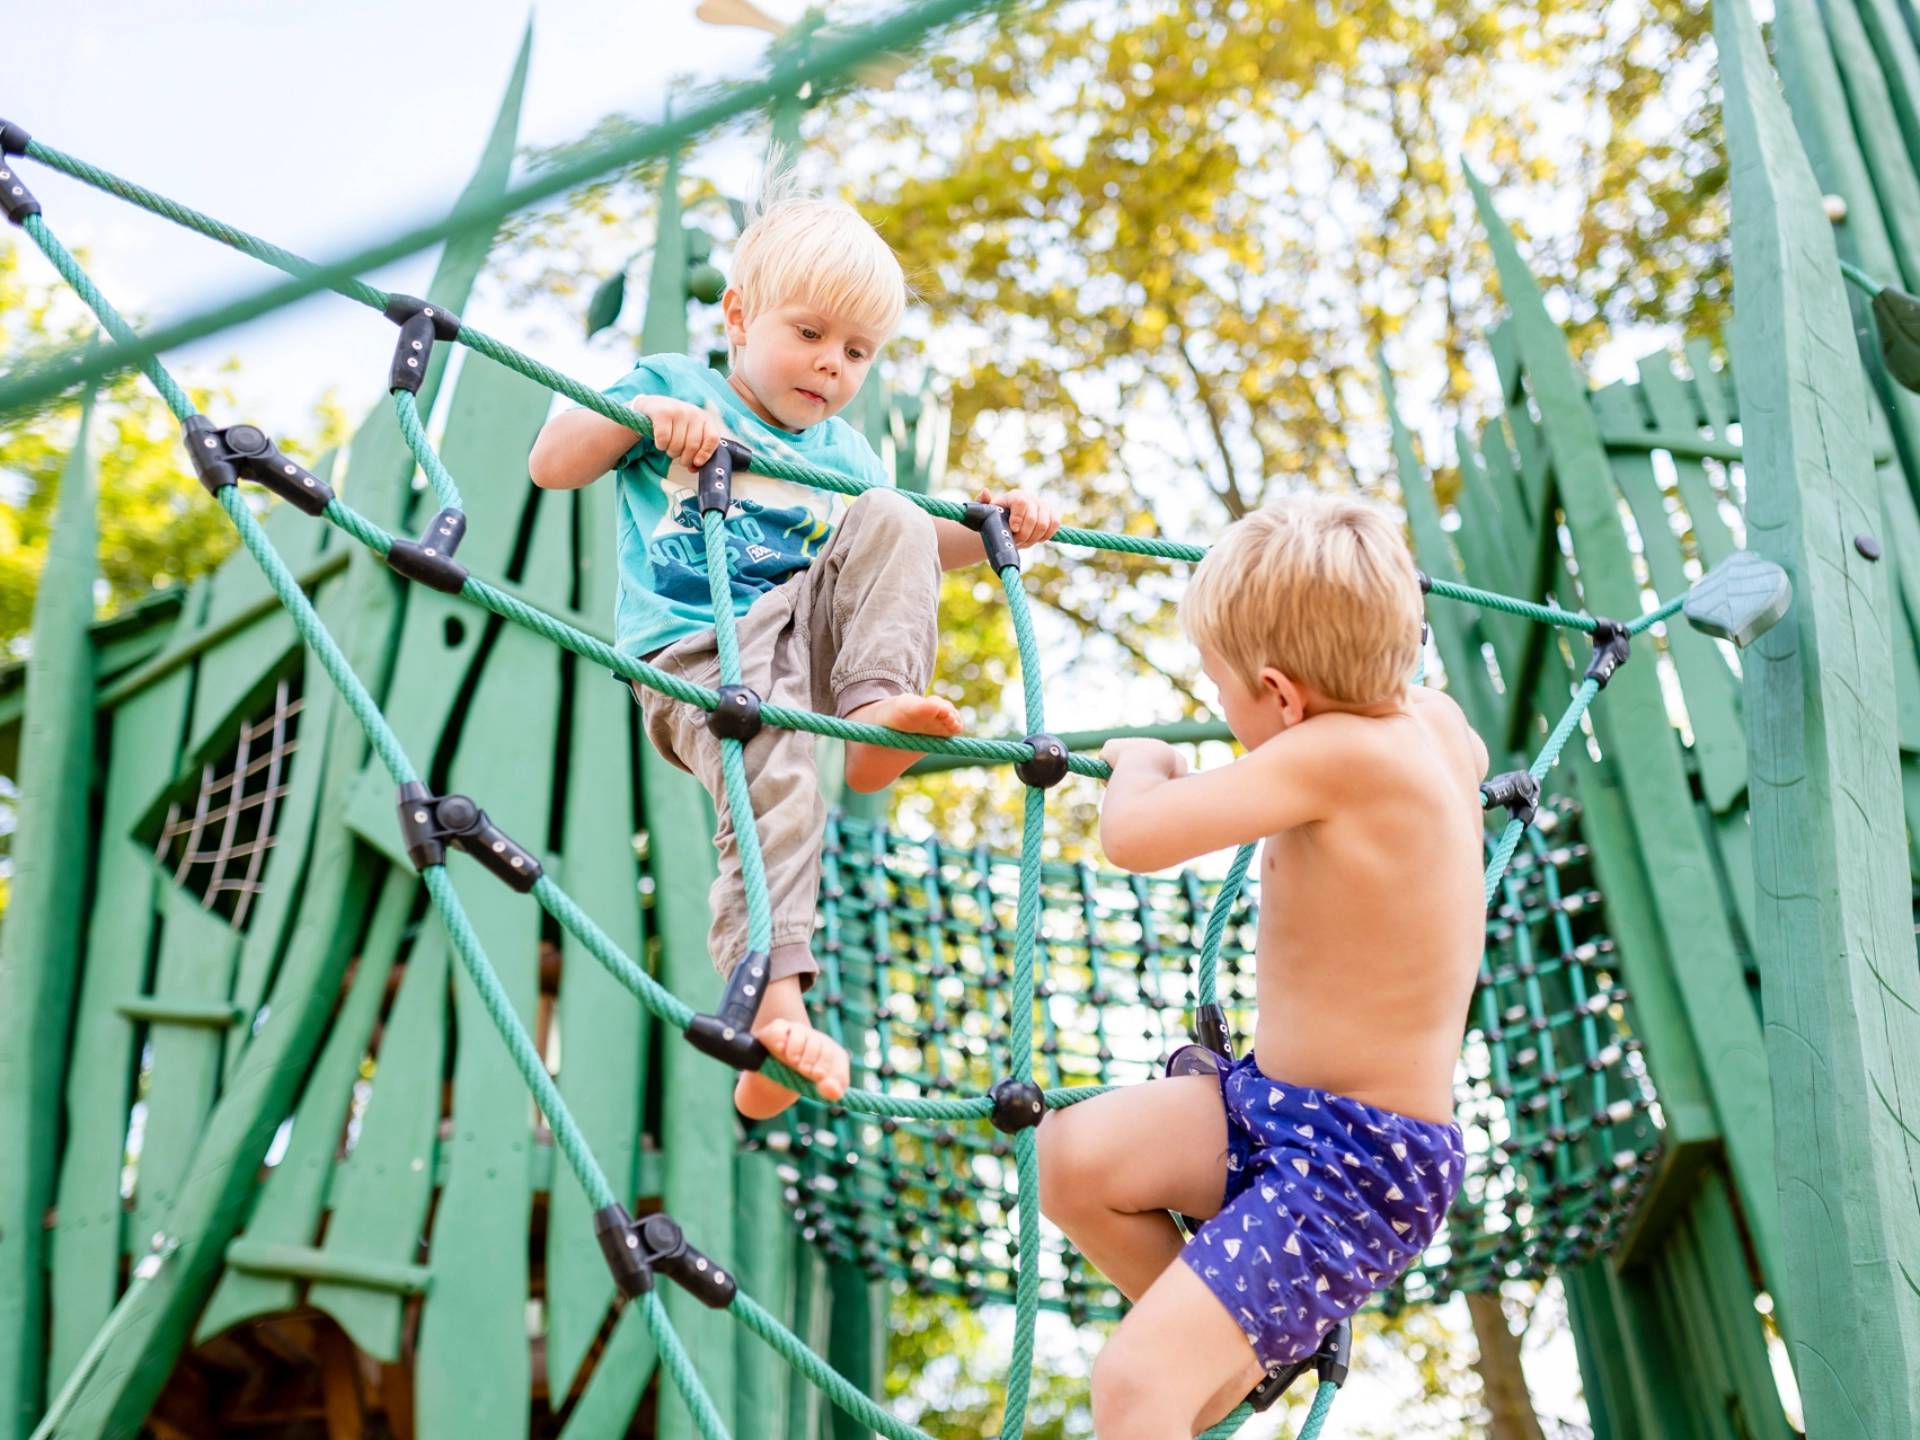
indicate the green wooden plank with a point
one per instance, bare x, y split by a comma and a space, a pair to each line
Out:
39, 947
1893, 44
381, 1195
146, 735
620, 1377
472, 1371
1674, 404
288, 1209
135, 1365
491, 424
698, 1118
1599, 1344
763, 1257
1679, 868
603, 1031
303, 1262
1876, 129
197, 952
1835, 940
1453, 627
1708, 687
1810, 76
858, 1348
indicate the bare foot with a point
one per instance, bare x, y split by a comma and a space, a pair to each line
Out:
802, 1049
873, 767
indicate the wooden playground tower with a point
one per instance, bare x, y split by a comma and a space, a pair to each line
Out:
203, 849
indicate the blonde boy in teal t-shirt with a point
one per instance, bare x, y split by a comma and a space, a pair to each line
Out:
836, 602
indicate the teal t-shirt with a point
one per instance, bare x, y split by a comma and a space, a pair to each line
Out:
774, 529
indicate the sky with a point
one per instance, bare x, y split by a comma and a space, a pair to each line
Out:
321, 128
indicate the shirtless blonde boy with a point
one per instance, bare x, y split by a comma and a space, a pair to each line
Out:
836, 604
1324, 1160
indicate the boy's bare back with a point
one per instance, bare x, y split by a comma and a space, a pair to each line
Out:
1371, 924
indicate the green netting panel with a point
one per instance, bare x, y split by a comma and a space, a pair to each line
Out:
915, 941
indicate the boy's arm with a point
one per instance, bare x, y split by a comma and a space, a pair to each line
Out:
577, 447
1155, 814
1030, 518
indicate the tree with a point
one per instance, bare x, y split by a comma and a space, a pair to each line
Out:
157, 528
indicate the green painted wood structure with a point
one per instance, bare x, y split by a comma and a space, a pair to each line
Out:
223, 966
1750, 822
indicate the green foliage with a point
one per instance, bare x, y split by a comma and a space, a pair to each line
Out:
157, 527
945, 1375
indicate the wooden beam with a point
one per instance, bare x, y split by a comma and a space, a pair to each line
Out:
1835, 940
40, 945
1679, 869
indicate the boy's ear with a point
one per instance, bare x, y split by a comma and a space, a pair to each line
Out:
733, 307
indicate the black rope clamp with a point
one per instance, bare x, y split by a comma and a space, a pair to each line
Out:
1017, 1105
421, 323
1210, 1029
715, 480
991, 522
737, 716
1048, 767
429, 560
637, 1249
429, 823
1516, 792
1329, 1362
13, 139
15, 198
243, 452
1426, 581
1611, 646
727, 1034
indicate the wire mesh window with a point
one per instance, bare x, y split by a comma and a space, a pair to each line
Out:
216, 841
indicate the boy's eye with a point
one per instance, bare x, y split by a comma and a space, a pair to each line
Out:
854, 352
807, 332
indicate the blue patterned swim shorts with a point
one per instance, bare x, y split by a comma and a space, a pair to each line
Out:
1328, 1200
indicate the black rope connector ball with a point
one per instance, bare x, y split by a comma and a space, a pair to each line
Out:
1048, 767
1516, 792
1611, 647
995, 534
737, 716
1017, 1105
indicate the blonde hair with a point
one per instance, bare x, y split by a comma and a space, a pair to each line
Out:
818, 251
1321, 587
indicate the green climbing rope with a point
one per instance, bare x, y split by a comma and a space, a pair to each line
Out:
1028, 965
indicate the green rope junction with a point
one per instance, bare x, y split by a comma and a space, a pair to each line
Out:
130, 349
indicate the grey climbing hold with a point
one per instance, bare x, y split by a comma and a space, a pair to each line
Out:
1740, 599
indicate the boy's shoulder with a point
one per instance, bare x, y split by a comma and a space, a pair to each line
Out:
680, 376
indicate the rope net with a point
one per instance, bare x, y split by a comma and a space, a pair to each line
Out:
950, 971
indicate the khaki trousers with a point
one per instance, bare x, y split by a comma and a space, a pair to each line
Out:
859, 625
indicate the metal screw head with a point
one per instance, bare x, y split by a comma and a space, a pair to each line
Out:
1867, 546
1835, 206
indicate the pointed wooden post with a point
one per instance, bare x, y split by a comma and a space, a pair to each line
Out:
220, 1180
1835, 945
1653, 782
39, 946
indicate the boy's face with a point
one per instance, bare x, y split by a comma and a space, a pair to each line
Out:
796, 364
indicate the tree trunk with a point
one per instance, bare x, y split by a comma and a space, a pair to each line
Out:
1505, 1383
